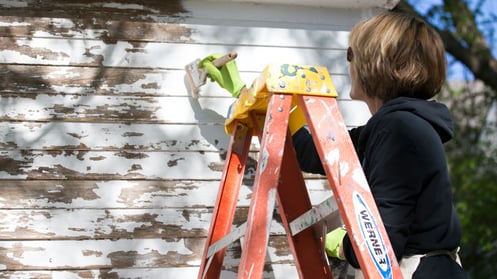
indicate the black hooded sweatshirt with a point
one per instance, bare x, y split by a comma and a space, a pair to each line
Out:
402, 154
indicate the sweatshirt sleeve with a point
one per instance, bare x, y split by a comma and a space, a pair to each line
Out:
307, 155
354, 134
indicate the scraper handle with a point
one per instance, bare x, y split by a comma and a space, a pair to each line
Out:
224, 59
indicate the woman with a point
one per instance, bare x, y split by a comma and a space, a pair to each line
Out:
397, 63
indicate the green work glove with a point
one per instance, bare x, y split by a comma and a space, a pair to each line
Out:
334, 241
227, 76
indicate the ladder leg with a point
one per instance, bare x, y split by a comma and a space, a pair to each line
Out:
293, 201
224, 211
265, 187
350, 187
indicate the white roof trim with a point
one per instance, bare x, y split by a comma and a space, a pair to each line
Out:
387, 4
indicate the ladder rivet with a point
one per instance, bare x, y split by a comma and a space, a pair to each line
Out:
303, 76
280, 109
308, 89
282, 84
322, 77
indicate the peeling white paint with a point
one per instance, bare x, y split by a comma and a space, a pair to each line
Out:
57, 189
62, 72
332, 157
159, 79
62, 23
344, 168
264, 157
161, 55
114, 194
14, 3
271, 201
178, 142
163, 109
6, 175
88, 253
13, 24
359, 177
126, 6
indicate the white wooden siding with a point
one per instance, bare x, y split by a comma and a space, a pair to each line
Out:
108, 169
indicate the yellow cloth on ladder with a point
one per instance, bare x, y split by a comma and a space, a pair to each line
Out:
280, 78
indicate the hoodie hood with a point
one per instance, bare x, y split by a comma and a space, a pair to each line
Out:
435, 113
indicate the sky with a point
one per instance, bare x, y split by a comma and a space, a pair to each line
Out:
457, 71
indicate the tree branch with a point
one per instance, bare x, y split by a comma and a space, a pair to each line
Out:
469, 47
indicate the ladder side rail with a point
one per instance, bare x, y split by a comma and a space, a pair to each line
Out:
265, 187
225, 206
350, 187
293, 200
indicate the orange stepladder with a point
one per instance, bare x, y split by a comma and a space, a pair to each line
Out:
263, 110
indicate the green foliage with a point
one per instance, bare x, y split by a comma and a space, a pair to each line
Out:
469, 33
473, 169
475, 182
476, 197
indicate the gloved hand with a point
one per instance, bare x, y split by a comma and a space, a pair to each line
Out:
227, 76
297, 119
334, 241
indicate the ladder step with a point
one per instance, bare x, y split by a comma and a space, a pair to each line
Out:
304, 221
314, 215
234, 235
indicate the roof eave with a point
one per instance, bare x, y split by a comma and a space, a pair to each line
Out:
352, 4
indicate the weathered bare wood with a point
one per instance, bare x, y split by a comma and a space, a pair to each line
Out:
97, 53
110, 136
123, 109
136, 194
131, 109
112, 31
100, 28
148, 10
107, 168
81, 224
85, 224
84, 164
35, 79
32, 79
122, 253
82, 136
286, 271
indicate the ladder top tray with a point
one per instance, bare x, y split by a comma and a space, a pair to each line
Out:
281, 78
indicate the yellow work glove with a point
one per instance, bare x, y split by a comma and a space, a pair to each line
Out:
227, 76
297, 119
334, 241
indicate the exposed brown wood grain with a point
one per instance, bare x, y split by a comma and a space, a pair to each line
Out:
106, 29
119, 194
32, 79
108, 167
120, 109
142, 253
86, 136
86, 224
122, 10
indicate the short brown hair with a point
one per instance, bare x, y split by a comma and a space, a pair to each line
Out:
396, 54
